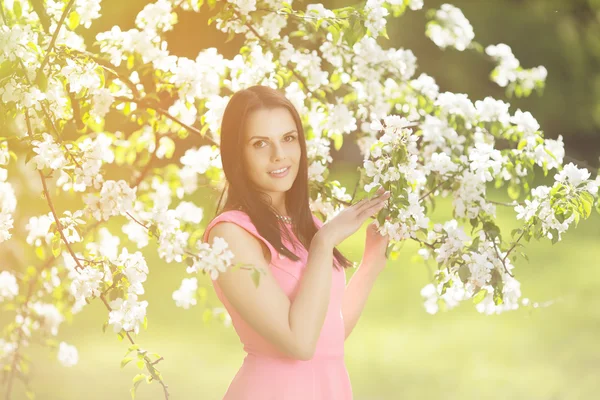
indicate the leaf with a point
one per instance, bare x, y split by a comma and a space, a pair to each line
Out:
125, 361
464, 273
256, 277
338, 140
132, 348
478, 298
39, 252
335, 32
136, 382
514, 191
17, 9
206, 315
140, 364
587, 200
56, 244
138, 378
73, 21
41, 80
168, 146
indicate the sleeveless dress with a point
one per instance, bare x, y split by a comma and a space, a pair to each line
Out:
267, 373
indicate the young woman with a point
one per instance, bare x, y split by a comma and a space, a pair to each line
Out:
291, 325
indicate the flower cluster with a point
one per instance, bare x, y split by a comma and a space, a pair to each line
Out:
116, 198
8, 201
212, 259
509, 69
450, 28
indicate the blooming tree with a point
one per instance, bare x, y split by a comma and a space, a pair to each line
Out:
57, 96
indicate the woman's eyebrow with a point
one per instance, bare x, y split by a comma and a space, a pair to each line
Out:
265, 137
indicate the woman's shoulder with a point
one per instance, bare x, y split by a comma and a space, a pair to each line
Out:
236, 216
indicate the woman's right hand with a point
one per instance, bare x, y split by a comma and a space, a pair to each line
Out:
351, 218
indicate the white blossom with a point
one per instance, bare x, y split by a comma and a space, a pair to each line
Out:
189, 212
8, 204
49, 153
127, 314
375, 13
450, 28
50, 315
185, 296
213, 258
156, 17
67, 354
115, 198
38, 229
9, 288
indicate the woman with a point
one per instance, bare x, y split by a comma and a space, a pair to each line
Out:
291, 324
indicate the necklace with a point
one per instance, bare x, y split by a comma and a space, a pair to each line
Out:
283, 218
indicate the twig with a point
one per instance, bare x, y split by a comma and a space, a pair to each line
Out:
294, 72
503, 260
133, 218
55, 35
165, 114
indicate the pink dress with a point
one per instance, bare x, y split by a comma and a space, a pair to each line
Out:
267, 373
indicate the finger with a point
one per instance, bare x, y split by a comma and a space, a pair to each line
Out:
372, 209
374, 200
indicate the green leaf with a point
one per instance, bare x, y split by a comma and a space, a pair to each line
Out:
41, 80
280, 82
478, 298
587, 200
132, 348
56, 244
40, 253
136, 382
138, 378
17, 9
168, 146
335, 32
230, 36
464, 273
206, 315
140, 364
73, 21
256, 277
338, 140
514, 191
125, 361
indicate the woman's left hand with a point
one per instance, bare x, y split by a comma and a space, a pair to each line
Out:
375, 248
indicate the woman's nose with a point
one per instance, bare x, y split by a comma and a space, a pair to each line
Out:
279, 153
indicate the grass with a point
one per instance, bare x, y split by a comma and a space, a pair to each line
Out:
396, 351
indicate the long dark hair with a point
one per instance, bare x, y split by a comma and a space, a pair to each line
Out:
241, 195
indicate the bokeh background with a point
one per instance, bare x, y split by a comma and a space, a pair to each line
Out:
397, 350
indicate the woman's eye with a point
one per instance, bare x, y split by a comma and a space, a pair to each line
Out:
261, 141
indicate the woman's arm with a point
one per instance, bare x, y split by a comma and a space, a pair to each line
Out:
293, 327
356, 293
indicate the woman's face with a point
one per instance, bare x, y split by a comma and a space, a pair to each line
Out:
271, 142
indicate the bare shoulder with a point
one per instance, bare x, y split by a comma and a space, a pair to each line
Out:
245, 246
